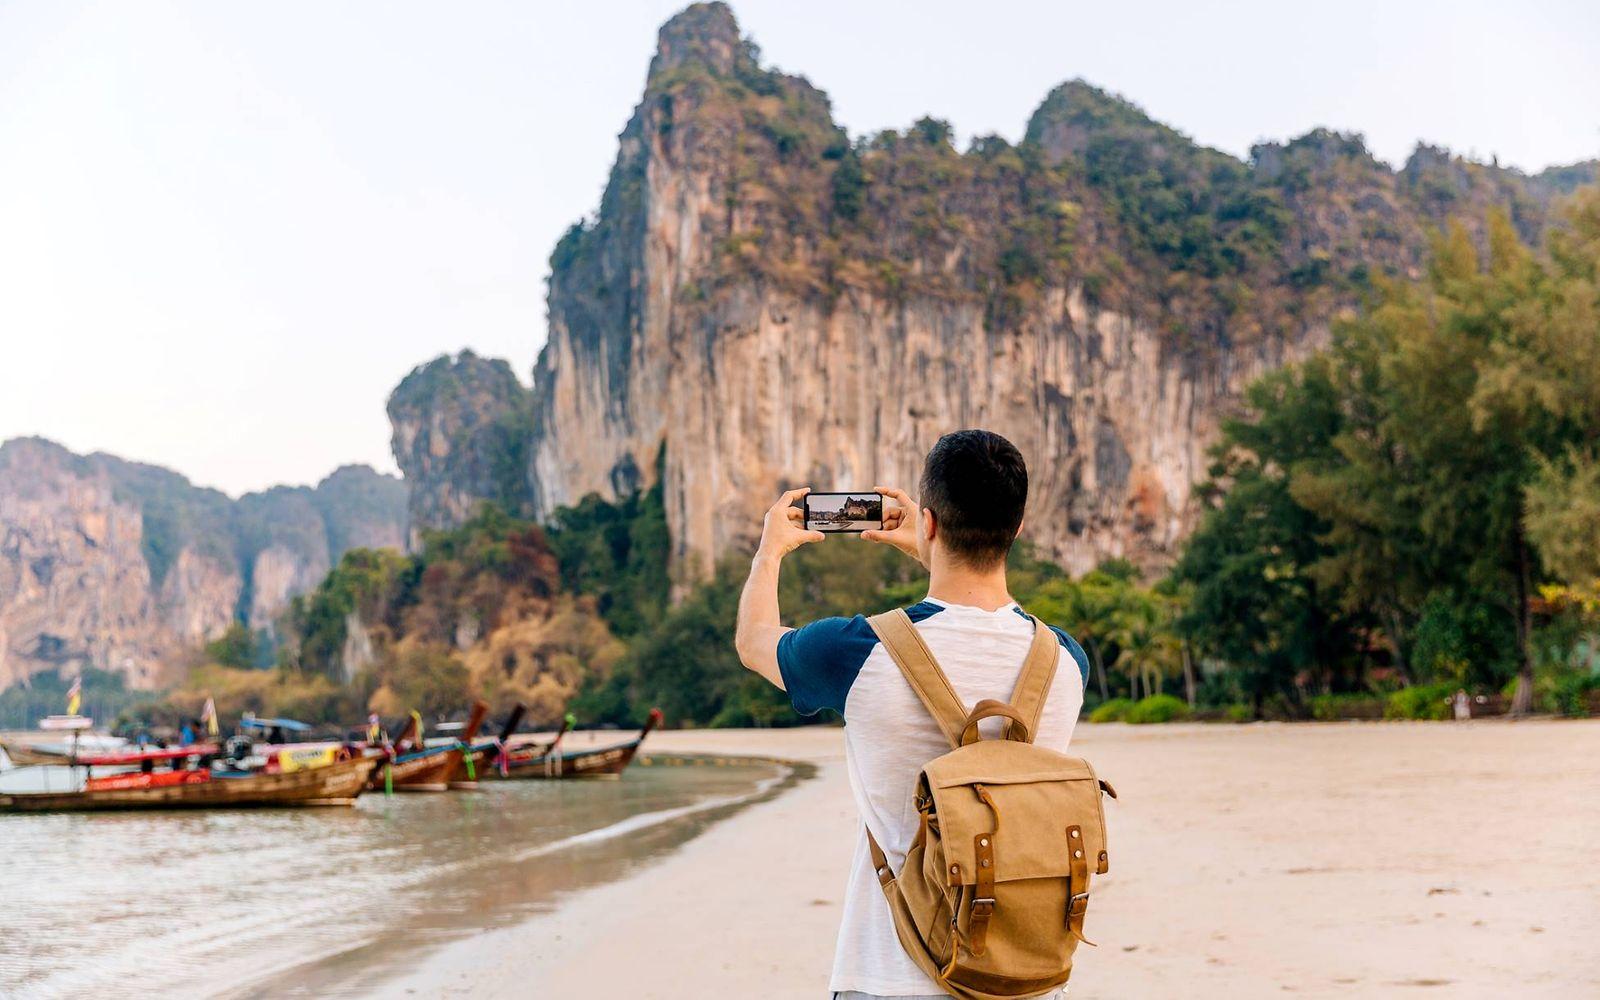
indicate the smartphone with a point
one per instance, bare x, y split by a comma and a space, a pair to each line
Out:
843, 511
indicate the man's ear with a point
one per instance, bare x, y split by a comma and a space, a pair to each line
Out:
929, 528
1019, 529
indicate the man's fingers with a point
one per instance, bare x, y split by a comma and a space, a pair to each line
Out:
791, 496
815, 536
795, 513
900, 496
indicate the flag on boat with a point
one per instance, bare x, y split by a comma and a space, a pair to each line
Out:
374, 728
75, 696
417, 716
208, 715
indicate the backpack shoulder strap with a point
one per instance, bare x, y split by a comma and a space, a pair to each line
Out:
1038, 671
922, 672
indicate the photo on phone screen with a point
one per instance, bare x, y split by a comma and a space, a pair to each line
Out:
843, 511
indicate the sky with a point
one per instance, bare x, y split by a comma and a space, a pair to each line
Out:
227, 230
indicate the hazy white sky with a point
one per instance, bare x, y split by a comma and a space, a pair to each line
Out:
227, 230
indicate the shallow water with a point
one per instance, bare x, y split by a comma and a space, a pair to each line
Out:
286, 902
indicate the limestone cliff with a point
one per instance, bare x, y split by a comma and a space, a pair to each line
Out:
776, 304
119, 565
461, 428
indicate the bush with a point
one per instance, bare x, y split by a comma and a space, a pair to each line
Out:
1241, 712
1113, 710
1423, 701
1570, 696
1157, 708
1328, 707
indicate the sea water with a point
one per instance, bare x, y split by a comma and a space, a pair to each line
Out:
275, 902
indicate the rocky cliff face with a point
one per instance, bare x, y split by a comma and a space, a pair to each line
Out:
461, 429
119, 565
778, 305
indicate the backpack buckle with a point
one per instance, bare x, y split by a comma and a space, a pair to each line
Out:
1078, 903
983, 906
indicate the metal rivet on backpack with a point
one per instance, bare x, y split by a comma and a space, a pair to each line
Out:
1072, 833
955, 869
984, 862
983, 842
1077, 854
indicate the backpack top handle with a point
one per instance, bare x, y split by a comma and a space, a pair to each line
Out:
989, 708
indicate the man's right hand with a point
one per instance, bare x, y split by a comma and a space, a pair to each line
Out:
783, 528
899, 523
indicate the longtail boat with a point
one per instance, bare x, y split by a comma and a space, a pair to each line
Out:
420, 768
550, 761
336, 784
520, 751
488, 753
467, 756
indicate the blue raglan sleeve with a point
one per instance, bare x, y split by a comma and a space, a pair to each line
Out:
820, 661
1071, 646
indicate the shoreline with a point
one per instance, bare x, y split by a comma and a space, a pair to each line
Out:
1458, 859
662, 916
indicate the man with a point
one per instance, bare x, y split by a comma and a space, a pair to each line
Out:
974, 486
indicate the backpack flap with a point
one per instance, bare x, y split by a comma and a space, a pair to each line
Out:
1025, 799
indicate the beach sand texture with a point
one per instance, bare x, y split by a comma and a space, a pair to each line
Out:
1361, 859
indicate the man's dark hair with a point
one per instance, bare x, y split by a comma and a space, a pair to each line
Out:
976, 484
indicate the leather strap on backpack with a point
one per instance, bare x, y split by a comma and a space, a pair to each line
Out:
1033, 683
921, 670
1078, 887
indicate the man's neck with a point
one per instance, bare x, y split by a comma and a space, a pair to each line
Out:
957, 584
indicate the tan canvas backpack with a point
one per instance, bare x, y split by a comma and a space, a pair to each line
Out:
991, 898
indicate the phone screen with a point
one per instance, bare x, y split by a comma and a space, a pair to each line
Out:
843, 511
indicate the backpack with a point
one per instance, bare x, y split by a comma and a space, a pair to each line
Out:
991, 899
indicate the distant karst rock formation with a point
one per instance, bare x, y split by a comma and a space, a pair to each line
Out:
118, 565
461, 431
772, 303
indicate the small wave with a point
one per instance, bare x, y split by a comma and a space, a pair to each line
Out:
646, 820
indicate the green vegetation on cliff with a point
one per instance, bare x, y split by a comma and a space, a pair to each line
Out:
1096, 194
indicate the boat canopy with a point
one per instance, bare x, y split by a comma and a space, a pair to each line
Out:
139, 756
288, 725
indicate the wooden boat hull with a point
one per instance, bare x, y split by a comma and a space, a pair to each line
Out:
550, 761
466, 780
336, 784
427, 772
600, 762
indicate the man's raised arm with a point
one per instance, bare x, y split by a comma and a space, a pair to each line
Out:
756, 639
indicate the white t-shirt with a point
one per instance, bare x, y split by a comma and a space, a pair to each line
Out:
838, 663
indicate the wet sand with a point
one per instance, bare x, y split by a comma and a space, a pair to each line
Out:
1360, 859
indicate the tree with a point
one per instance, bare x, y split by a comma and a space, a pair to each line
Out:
1564, 516
1414, 481
235, 647
1253, 599
1459, 393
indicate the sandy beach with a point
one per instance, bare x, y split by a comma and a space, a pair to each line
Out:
1361, 859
